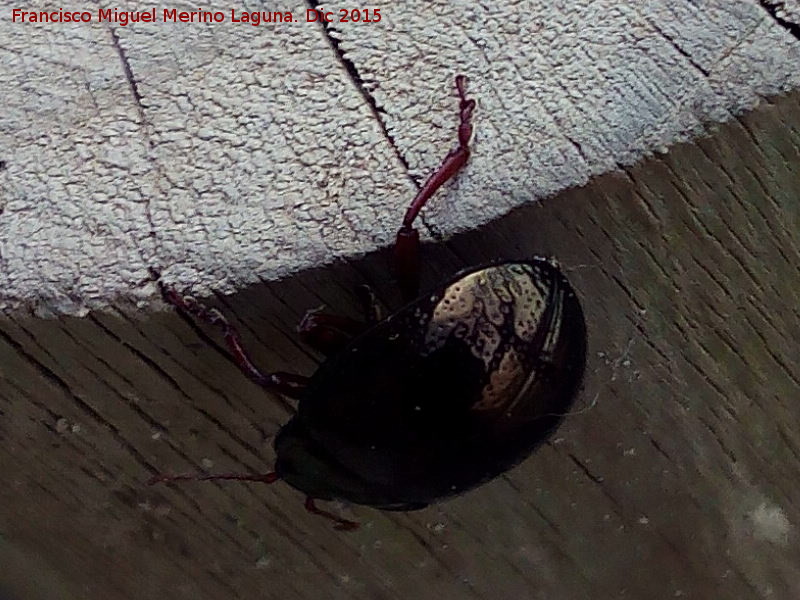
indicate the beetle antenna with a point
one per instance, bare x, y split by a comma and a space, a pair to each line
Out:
262, 478
580, 411
341, 523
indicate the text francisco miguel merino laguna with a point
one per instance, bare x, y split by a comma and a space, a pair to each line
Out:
172, 15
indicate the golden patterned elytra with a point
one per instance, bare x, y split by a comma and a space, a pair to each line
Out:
497, 311
446, 393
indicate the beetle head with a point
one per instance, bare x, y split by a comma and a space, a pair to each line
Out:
304, 465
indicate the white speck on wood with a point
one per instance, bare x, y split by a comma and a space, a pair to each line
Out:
770, 524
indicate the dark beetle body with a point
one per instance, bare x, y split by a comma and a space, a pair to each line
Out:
443, 395
448, 392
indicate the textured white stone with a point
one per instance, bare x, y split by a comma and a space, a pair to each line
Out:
253, 153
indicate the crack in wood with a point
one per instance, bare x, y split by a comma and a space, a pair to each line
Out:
350, 67
596, 478
173, 383
140, 108
128, 70
679, 50
352, 71
87, 409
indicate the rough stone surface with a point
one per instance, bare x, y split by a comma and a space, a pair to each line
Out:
226, 154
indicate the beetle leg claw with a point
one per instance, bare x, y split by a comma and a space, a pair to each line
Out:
327, 333
341, 524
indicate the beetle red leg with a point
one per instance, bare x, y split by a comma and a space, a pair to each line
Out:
341, 524
407, 261
328, 333
263, 478
288, 384
406, 252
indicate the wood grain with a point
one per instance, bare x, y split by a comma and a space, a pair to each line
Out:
679, 479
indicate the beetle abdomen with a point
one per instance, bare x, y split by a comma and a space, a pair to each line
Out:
453, 389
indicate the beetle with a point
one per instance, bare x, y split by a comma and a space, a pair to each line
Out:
446, 393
